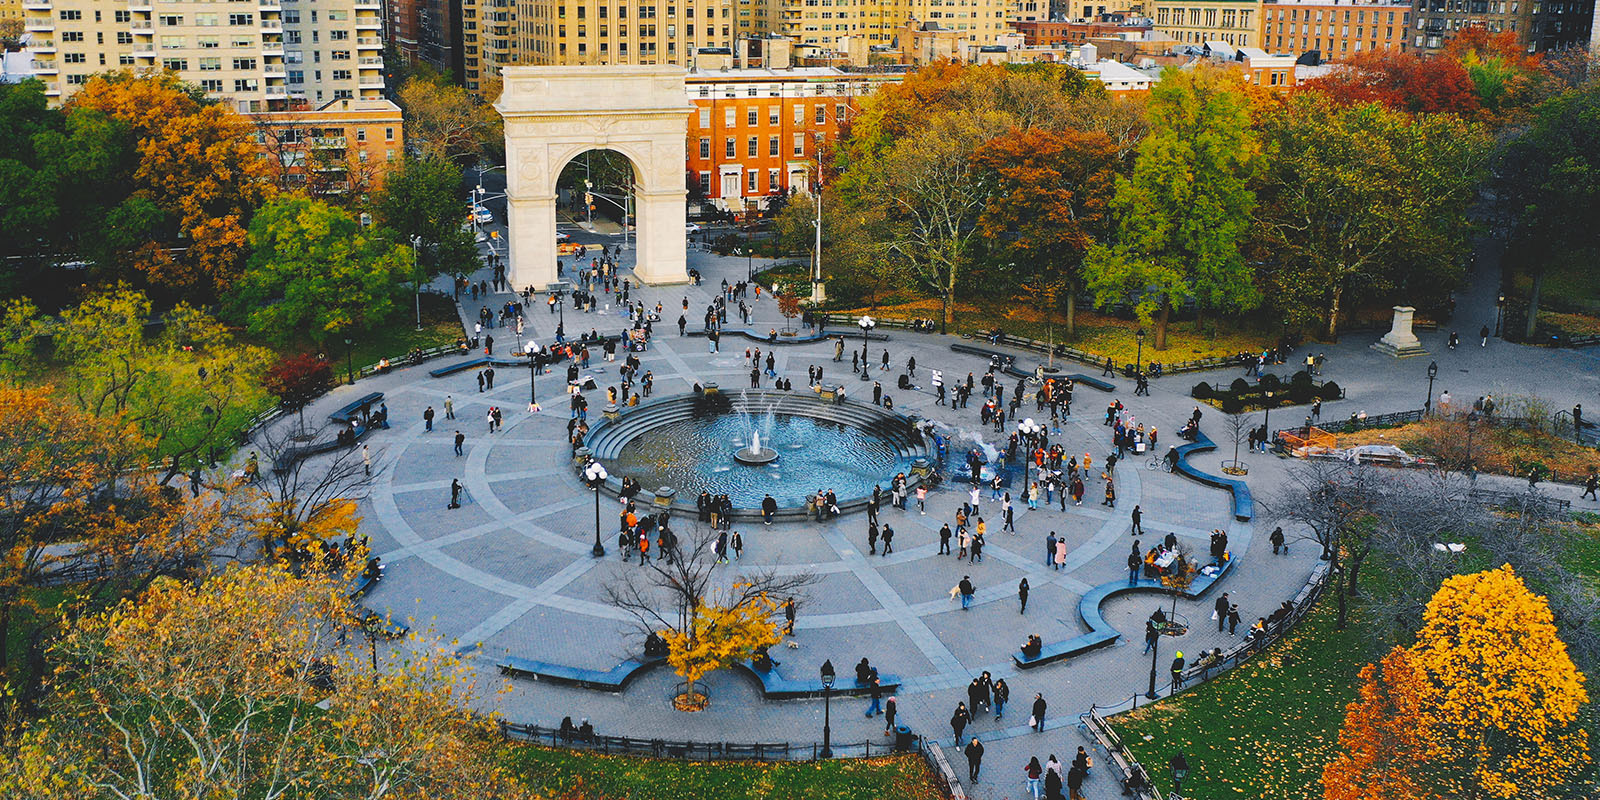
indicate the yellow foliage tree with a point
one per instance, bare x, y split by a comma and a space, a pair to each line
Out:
238, 686
1496, 707
721, 636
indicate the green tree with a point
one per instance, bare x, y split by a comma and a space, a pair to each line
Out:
314, 271
1550, 179
1186, 209
1362, 200
421, 201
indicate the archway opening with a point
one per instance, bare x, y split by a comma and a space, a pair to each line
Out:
597, 204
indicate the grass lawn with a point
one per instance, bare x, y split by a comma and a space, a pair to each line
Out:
573, 774
1096, 333
1264, 730
392, 339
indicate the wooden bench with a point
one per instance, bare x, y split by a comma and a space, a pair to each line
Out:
612, 680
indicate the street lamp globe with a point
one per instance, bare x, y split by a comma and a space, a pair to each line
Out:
595, 474
827, 674
867, 323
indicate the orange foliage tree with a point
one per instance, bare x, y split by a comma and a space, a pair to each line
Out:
1485, 703
196, 165
1402, 81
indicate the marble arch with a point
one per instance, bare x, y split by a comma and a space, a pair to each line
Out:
553, 114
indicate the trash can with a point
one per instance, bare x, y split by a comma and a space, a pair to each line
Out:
904, 739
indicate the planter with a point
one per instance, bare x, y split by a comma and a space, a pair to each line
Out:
1235, 468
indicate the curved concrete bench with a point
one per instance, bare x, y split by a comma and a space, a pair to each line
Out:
612, 680
1244, 507
777, 687
765, 337
1008, 365
1101, 633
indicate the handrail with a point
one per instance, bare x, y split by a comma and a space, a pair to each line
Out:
689, 750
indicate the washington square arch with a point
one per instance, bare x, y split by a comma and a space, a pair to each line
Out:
554, 114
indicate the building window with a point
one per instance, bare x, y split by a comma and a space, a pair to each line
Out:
772, 145
750, 147
799, 144
752, 181
705, 182
728, 120
822, 114
727, 149
799, 115
239, 20
705, 147
772, 180
750, 117
175, 64
388, 134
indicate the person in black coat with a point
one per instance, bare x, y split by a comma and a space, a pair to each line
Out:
1075, 778
1038, 712
974, 758
1052, 785
959, 720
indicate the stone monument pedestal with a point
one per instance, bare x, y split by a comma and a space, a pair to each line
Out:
1400, 342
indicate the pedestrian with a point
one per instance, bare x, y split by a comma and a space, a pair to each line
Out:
1061, 553
1035, 776
1590, 484
1483, 336
1050, 549
876, 693
872, 539
888, 540
788, 617
1052, 784
449, 407
460, 438
1022, 596
890, 708
922, 499
1002, 695
1075, 778
1037, 720
1134, 563
1138, 530
1219, 611
1233, 618
427, 420
1177, 671
455, 493
944, 540
1152, 634
480, 381
1277, 541
974, 759
967, 591
366, 466
959, 720
737, 543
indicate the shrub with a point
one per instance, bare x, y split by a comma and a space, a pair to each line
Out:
1239, 386
1270, 381
1201, 391
1301, 393
1232, 405
1301, 378
1330, 391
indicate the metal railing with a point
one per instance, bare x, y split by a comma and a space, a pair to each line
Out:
689, 750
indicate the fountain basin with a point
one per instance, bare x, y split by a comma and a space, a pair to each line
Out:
694, 443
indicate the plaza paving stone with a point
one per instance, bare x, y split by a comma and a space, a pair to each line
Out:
511, 570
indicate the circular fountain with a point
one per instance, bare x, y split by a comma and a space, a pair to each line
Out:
757, 444
754, 455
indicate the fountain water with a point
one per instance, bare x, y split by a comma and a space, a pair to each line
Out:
754, 454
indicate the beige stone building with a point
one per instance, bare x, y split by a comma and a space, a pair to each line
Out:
1234, 22
825, 22
261, 55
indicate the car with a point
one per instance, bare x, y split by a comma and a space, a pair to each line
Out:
562, 237
692, 228
482, 215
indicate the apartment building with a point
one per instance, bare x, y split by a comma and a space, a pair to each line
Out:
621, 31
258, 54
1055, 33
489, 39
757, 133
1338, 30
344, 146
1540, 25
826, 22
1199, 21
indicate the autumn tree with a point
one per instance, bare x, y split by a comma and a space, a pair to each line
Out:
1186, 208
196, 170
1493, 703
1403, 81
788, 306
719, 637
21, 328
301, 504
239, 686
297, 380
669, 595
314, 272
445, 122
1358, 201
1049, 202
1502, 70
1549, 177
1382, 740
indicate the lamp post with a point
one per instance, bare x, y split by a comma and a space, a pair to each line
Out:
595, 475
1433, 372
867, 324
349, 361
416, 265
1499, 309
1138, 359
827, 694
1266, 422
1029, 429
1155, 653
535, 361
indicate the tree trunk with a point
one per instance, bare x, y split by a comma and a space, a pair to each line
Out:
1072, 312
1343, 604
949, 313
1333, 314
1161, 324
1533, 306
1355, 572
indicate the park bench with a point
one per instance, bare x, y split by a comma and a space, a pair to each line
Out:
612, 680
799, 338
1101, 633
1093, 382
1513, 499
776, 687
1244, 508
459, 366
352, 410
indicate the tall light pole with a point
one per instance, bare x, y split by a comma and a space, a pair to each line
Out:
1433, 372
867, 324
1499, 309
349, 363
535, 361
1029, 429
595, 476
1155, 653
1267, 421
827, 720
1138, 358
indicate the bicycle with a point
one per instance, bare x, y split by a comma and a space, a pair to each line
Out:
1158, 462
